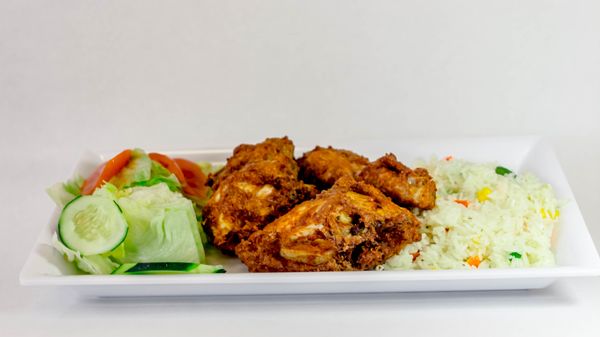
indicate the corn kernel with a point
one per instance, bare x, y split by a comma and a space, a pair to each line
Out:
484, 194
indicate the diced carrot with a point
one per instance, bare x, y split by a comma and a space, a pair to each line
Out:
462, 202
474, 261
415, 255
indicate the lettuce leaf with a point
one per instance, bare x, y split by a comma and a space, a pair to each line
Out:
74, 185
62, 193
159, 174
172, 184
157, 170
93, 264
162, 226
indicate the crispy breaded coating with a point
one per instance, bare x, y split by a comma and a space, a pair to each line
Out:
254, 194
407, 187
351, 226
415, 188
246, 153
324, 166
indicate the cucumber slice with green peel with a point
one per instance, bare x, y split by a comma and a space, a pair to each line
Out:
92, 225
168, 268
123, 268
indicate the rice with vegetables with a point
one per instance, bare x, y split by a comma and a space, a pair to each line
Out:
485, 217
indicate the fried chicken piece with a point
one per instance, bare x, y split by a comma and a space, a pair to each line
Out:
351, 226
246, 153
324, 166
406, 187
415, 188
254, 194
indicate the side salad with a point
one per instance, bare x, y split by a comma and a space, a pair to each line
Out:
137, 213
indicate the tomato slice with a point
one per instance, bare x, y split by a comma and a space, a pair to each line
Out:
169, 164
194, 177
105, 172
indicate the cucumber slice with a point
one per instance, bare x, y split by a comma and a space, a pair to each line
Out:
168, 268
123, 268
92, 225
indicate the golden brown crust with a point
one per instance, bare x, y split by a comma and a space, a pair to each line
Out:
324, 166
352, 226
247, 153
414, 188
253, 191
408, 187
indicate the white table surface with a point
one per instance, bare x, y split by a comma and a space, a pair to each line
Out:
77, 75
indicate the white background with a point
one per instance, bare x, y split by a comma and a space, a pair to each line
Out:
105, 75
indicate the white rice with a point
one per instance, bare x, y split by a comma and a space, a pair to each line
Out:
518, 217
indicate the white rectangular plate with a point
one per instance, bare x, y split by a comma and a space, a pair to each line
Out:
575, 252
